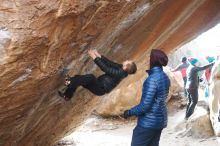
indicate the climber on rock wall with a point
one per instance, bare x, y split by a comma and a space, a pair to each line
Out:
192, 84
183, 67
105, 83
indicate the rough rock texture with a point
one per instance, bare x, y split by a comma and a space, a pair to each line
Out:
198, 125
38, 38
176, 83
215, 98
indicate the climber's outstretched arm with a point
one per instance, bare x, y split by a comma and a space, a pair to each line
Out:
94, 53
104, 66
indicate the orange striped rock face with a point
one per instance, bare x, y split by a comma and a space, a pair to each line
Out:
39, 38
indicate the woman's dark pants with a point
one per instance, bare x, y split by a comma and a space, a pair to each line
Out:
145, 136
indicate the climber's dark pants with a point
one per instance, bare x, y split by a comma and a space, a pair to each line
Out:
184, 80
88, 81
145, 136
192, 95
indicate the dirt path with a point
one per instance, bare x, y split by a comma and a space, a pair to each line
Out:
117, 132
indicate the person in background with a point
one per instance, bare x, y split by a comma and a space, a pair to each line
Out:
152, 110
207, 75
208, 70
113, 74
192, 84
182, 68
218, 57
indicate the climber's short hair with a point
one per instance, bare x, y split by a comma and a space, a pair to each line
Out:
131, 68
184, 59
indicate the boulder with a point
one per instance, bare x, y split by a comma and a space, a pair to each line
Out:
176, 83
197, 126
214, 98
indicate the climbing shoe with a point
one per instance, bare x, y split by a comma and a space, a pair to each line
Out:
60, 94
67, 80
63, 96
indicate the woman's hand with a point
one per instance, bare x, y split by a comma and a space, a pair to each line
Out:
126, 114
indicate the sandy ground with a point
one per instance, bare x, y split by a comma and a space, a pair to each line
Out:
96, 131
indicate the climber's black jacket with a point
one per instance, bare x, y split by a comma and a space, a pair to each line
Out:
113, 73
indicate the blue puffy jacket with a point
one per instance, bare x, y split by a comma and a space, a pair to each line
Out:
152, 110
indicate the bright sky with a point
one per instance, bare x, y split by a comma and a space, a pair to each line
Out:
209, 42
